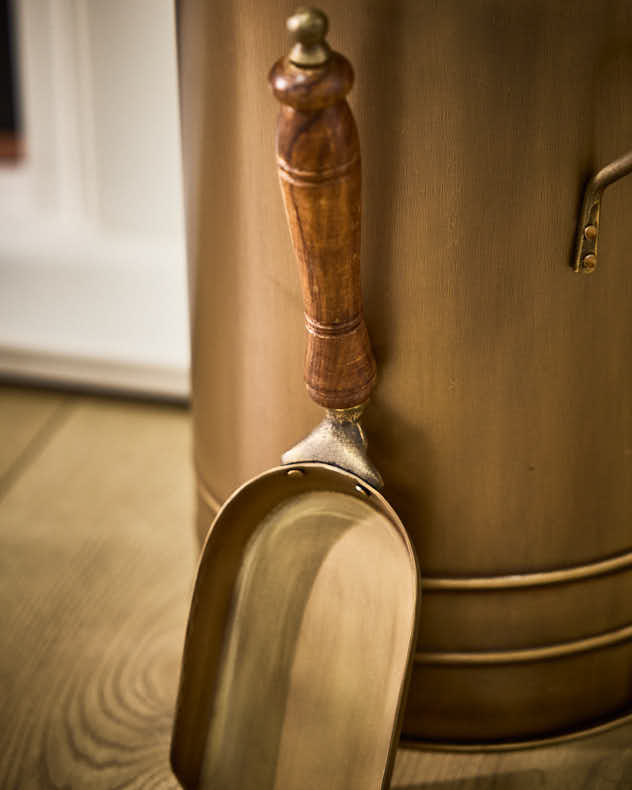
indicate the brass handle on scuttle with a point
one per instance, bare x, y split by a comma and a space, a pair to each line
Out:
585, 260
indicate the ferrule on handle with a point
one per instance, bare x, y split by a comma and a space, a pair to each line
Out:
318, 156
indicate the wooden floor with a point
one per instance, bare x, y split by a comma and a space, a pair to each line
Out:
96, 563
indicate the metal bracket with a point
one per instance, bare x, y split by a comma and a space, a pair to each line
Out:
340, 441
585, 260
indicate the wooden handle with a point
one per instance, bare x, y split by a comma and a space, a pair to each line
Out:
318, 155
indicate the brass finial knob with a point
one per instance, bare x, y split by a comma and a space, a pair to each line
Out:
308, 27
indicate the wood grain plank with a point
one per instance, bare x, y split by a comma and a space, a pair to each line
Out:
95, 565
24, 413
96, 562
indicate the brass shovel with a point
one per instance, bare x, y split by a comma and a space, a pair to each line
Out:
304, 613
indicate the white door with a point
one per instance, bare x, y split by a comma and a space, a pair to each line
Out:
92, 249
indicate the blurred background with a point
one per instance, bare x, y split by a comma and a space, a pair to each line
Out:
96, 484
92, 251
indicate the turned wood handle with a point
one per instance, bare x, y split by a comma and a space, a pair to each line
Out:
318, 155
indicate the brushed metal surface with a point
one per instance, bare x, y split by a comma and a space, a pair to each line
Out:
588, 231
501, 421
339, 440
292, 688
283, 682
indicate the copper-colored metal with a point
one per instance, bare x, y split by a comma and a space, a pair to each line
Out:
559, 576
501, 419
588, 233
520, 745
300, 638
529, 653
309, 26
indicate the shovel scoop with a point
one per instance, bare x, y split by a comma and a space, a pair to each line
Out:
305, 606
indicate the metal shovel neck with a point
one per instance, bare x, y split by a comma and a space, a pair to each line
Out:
338, 440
